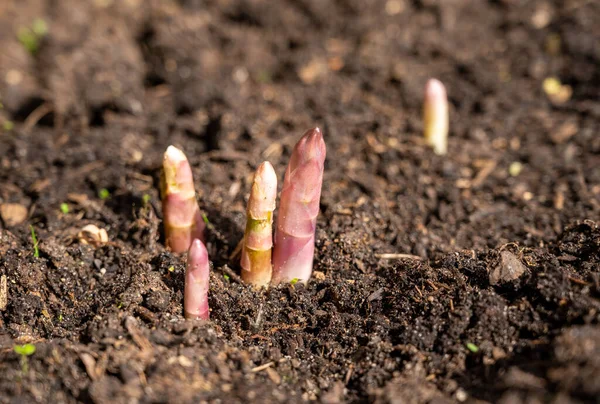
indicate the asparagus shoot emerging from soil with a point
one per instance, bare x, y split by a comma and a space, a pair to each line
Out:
182, 218
435, 116
298, 210
258, 238
195, 295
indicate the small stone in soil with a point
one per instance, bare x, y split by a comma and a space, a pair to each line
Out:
509, 269
13, 214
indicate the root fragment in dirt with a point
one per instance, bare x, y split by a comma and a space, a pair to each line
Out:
3, 293
140, 340
482, 175
90, 364
399, 256
231, 274
36, 116
263, 367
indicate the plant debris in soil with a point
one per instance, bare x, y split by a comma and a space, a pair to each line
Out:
473, 276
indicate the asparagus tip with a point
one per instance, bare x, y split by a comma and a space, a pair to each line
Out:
434, 89
258, 241
435, 116
173, 155
298, 209
196, 282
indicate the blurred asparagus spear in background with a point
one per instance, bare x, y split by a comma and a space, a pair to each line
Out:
258, 238
195, 295
298, 210
435, 116
181, 214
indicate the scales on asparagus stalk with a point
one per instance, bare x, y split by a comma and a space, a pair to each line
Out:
258, 238
298, 210
181, 214
195, 295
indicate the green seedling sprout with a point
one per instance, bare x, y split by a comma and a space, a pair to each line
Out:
104, 194
30, 37
8, 126
472, 347
39, 27
64, 208
24, 351
36, 251
29, 40
207, 222
146, 199
263, 76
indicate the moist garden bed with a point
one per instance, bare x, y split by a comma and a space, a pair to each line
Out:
414, 297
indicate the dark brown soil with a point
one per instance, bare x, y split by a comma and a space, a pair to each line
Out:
497, 297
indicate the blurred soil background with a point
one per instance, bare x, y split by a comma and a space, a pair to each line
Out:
470, 277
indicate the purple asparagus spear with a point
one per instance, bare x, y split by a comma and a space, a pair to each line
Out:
195, 296
182, 218
298, 210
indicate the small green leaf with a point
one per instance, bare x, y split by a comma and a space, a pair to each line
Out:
104, 194
226, 277
171, 268
64, 208
205, 218
36, 251
146, 199
472, 347
39, 27
30, 37
264, 76
60, 317
25, 350
29, 40
8, 126
294, 281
